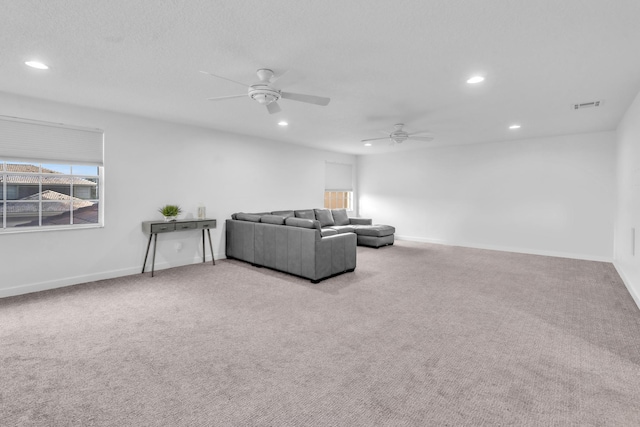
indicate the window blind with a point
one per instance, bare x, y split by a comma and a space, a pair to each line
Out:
338, 177
29, 140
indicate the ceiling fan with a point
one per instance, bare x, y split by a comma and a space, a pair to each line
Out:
398, 136
266, 94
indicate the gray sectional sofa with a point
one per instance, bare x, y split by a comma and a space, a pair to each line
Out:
311, 243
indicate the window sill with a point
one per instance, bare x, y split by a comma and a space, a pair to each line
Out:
20, 230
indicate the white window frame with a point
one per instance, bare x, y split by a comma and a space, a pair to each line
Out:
339, 179
42, 143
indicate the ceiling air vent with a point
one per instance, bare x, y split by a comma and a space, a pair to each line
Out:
583, 105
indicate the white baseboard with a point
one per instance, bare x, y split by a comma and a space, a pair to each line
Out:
627, 283
506, 249
76, 280
67, 281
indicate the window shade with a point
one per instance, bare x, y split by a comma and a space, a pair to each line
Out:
28, 140
338, 177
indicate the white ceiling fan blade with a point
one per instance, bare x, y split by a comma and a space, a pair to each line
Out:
418, 133
310, 99
224, 78
273, 108
374, 139
220, 98
422, 138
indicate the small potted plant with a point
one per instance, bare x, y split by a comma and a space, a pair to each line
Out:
170, 212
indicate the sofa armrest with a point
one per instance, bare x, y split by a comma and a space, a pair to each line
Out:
335, 254
360, 221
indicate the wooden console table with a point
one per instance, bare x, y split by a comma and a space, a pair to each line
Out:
153, 228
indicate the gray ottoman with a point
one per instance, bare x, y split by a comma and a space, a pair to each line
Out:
375, 236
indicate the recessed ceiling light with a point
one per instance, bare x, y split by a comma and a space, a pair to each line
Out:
475, 79
283, 123
514, 127
367, 144
38, 65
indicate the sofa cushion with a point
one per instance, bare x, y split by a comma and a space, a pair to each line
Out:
272, 219
340, 216
377, 230
241, 216
305, 213
302, 222
360, 221
324, 216
285, 214
343, 228
328, 232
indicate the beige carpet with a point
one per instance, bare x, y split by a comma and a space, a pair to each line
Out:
419, 335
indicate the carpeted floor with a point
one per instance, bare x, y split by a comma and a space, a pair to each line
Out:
418, 335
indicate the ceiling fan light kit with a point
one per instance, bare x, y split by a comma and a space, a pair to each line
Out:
264, 96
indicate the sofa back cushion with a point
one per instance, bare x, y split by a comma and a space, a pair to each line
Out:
340, 216
324, 216
272, 219
305, 213
241, 216
285, 214
302, 222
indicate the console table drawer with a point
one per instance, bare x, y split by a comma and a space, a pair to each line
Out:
207, 224
163, 227
185, 226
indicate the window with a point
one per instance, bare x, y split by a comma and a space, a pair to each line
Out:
338, 200
50, 176
338, 186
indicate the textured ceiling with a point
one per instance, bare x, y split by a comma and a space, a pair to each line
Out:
380, 62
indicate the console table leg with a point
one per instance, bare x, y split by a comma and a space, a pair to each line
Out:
147, 254
203, 245
210, 246
153, 261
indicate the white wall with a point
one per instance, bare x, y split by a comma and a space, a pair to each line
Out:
149, 163
551, 196
627, 255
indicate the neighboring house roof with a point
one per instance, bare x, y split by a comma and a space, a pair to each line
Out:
34, 179
85, 215
56, 202
13, 167
48, 180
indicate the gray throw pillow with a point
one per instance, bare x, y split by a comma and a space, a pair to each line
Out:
340, 217
325, 217
305, 213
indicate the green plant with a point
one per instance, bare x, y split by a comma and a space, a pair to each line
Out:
170, 210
